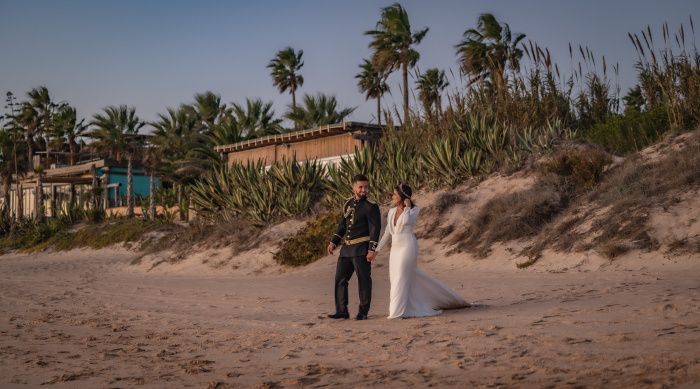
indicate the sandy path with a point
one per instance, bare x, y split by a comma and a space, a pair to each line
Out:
80, 320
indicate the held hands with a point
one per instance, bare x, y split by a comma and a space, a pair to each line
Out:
371, 255
330, 248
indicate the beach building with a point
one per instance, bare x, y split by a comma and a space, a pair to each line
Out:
66, 185
327, 144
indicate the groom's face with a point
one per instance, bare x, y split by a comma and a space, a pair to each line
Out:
360, 188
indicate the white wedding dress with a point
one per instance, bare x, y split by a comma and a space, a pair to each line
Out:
413, 292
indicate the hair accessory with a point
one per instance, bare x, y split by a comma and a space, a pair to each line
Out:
402, 192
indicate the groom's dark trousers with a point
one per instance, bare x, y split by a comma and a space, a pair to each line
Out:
358, 232
343, 272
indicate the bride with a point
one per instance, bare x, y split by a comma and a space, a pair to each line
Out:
413, 292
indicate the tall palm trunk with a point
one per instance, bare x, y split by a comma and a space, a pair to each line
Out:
294, 98
94, 200
6, 183
152, 195
20, 201
48, 152
379, 109
30, 154
71, 147
39, 198
180, 205
404, 71
129, 187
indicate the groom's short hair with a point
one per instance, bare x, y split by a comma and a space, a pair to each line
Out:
359, 178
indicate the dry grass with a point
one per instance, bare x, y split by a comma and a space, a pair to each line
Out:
613, 249
581, 166
687, 245
514, 216
629, 192
235, 234
565, 175
432, 215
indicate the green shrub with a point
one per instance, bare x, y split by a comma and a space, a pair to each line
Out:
114, 231
31, 235
630, 132
309, 244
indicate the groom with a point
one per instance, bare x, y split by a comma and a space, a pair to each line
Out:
358, 231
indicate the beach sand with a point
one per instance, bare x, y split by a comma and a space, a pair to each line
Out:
89, 318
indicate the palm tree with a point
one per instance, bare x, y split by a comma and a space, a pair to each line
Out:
284, 69
256, 119
15, 130
28, 119
7, 165
392, 42
430, 87
68, 127
116, 136
187, 153
486, 51
372, 82
317, 111
208, 109
45, 107
152, 158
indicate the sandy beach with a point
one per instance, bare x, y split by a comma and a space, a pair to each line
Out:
91, 319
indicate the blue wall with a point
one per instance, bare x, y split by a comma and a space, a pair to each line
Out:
140, 182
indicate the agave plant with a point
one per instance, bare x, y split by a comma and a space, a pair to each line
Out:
337, 185
399, 164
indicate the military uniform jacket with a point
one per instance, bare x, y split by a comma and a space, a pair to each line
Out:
359, 228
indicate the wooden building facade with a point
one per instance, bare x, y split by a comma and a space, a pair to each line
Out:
327, 144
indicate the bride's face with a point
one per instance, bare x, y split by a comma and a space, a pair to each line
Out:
395, 199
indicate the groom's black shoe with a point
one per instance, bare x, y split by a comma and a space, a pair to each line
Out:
339, 316
361, 316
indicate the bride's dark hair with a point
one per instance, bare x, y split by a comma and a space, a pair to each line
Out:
405, 192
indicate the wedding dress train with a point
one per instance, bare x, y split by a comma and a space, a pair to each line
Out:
414, 293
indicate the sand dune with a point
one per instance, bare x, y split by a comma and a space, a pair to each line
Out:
79, 319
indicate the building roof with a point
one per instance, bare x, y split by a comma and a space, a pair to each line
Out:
371, 130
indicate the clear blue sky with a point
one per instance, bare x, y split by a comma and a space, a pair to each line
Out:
158, 54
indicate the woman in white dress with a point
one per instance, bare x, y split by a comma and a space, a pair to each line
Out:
413, 292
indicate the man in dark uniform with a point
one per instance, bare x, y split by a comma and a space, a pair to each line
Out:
358, 232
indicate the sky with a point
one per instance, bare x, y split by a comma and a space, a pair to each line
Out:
158, 54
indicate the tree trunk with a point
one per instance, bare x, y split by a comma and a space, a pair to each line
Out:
48, 153
94, 198
20, 201
379, 110
54, 203
294, 99
404, 70
30, 155
71, 147
129, 187
71, 197
180, 206
39, 212
152, 196
6, 184
189, 204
